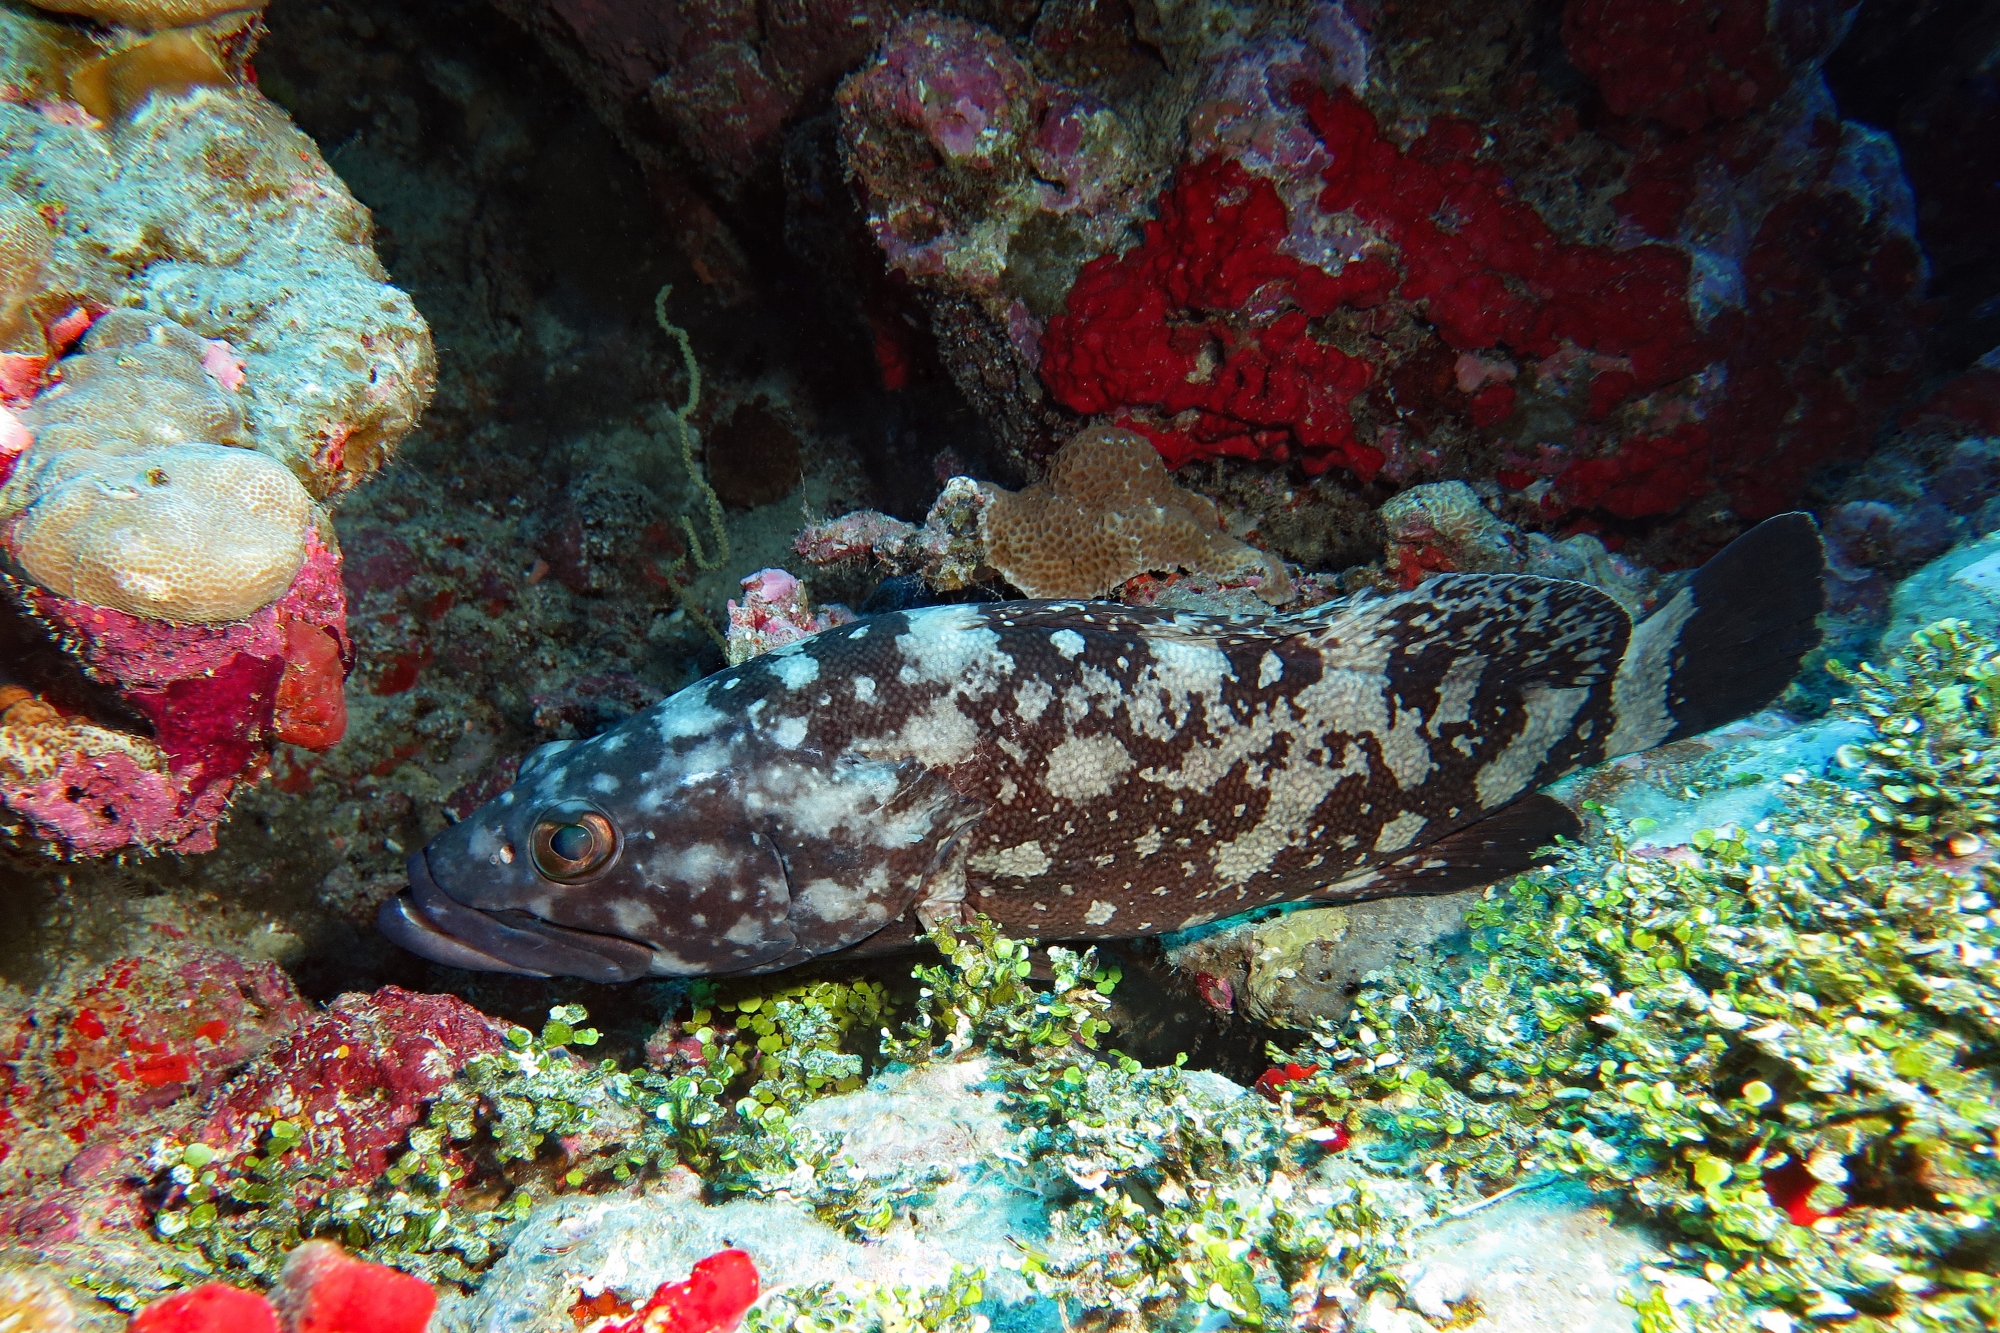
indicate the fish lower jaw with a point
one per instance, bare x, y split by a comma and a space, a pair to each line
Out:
406, 925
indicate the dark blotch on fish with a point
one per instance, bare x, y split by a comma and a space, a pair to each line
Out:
1093, 771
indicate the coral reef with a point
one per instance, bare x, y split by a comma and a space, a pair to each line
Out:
95, 1069
245, 362
1324, 285
980, 175
948, 551
25, 246
149, 14
1444, 526
217, 697
1576, 287
1107, 513
209, 208
775, 610
128, 499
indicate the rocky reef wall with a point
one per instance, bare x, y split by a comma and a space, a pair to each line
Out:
394, 389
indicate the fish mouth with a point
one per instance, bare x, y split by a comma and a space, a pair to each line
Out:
432, 924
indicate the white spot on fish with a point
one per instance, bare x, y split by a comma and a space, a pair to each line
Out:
1400, 832
1269, 671
941, 735
1067, 643
1099, 912
951, 646
1024, 861
796, 670
1456, 692
687, 714
1084, 768
864, 689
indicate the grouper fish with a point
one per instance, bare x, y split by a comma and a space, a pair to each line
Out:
1085, 770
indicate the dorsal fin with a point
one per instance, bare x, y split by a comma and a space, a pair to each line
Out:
1548, 632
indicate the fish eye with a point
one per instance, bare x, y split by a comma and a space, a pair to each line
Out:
572, 841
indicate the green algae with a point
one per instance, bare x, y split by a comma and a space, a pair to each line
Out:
244, 1214
1934, 762
982, 997
874, 1307
1176, 1197
1779, 1044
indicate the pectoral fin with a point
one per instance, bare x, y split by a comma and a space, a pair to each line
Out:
1498, 846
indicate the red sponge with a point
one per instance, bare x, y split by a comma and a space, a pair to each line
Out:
712, 1299
322, 1290
213, 1308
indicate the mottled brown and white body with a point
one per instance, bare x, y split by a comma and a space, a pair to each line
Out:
1087, 770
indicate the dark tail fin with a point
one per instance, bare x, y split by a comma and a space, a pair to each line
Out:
1728, 643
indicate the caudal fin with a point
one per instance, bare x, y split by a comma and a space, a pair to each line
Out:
1728, 643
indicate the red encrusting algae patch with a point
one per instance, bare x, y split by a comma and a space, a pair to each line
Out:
710, 1300
311, 710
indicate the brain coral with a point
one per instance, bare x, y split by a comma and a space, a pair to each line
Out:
149, 14
1109, 511
139, 384
194, 533
131, 497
